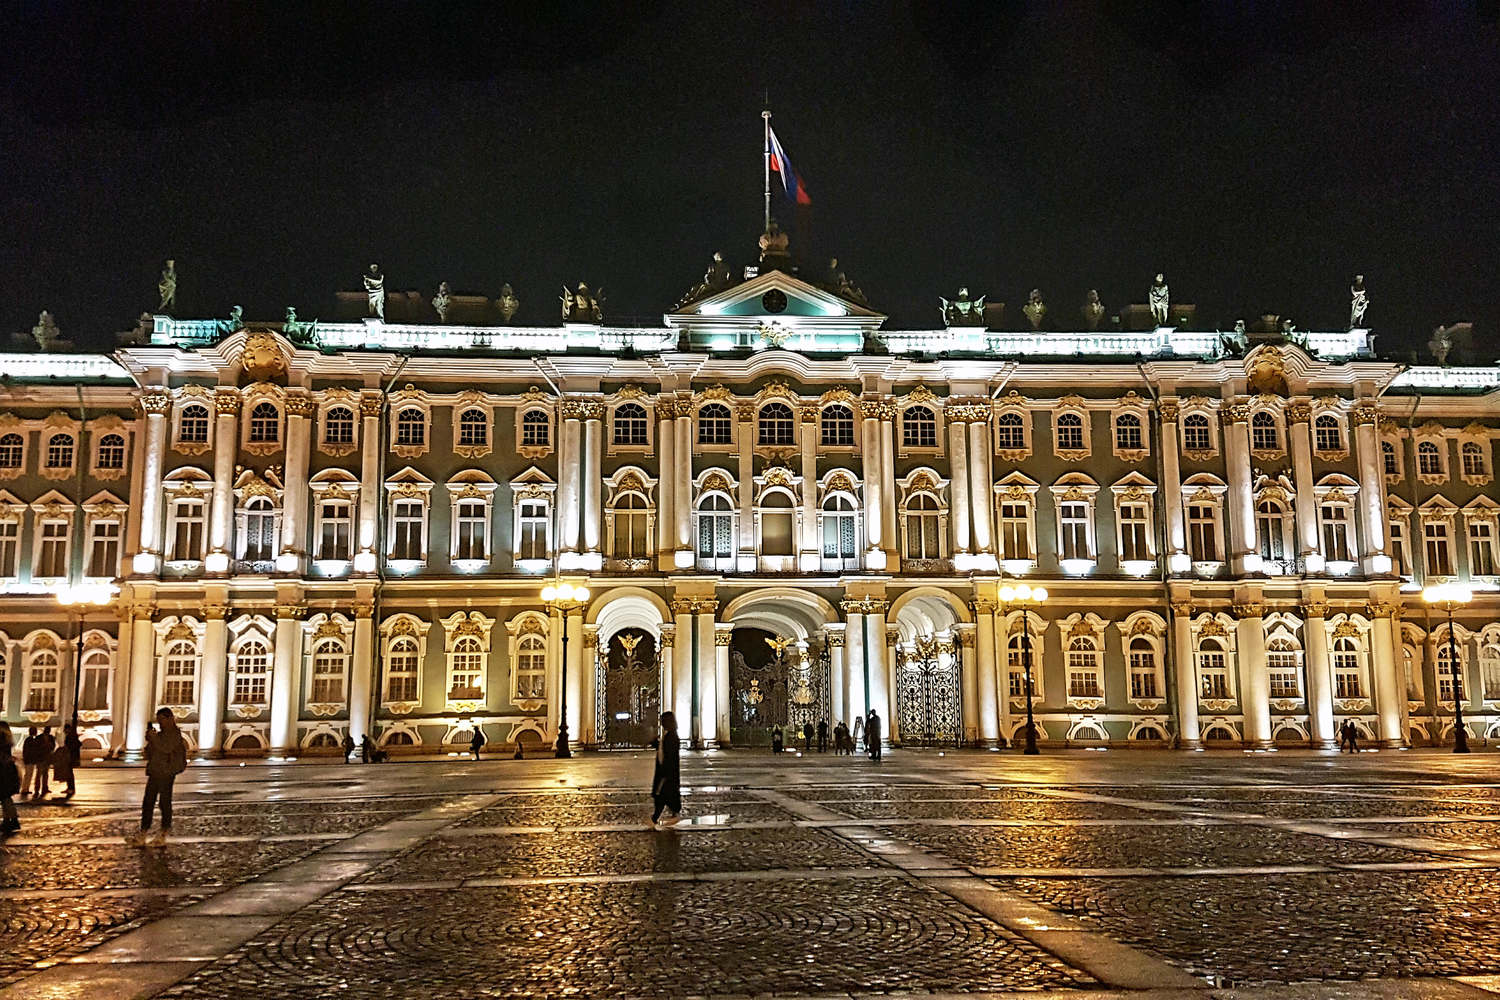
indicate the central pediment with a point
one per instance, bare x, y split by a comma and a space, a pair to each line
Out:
775, 310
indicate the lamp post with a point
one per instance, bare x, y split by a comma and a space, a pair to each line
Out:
1450, 597
565, 599
79, 598
1024, 596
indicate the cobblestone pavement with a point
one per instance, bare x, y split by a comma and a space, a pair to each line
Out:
801, 877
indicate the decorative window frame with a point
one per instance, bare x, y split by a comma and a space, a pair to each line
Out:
1333, 408
1281, 493
1357, 627
533, 400
393, 629
474, 401
1083, 626
1482, 510
242, 631
410, 398
186, 482
13, 511
1017, 487
718, 482
924, 397
1218, 626
1434, 433
1077, 406
531, 486
630, 480
458, 626
329, 485
701, 446
1200, 489
1134, 405
527, 623
196, 395
97, 431
924, 481
1151, 627
847, 399
95, 640
1135, 488
1275, 407
57, 423
318, 629
1341, 491
774, 450
1206, 408
845, 484
1438, 509
43, 641
249, 486
1477, 434
251, 397
103, 507
1012, 403
407, 484
1438, 640
329, 399
1398, 511
1037, 626
626, 395
778, 480
12, 424
169, 630
471, 484
1410, 659
1278, 625
1075, 487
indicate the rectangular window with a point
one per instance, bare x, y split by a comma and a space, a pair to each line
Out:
188, 527
328, 673
406, 530
1143, 674
533, 544
1135, 530
252, 664
1073, 520
52, 554
1203, 535
1346, 682
1396, 533
104, 549
1439, 560
10, 544
470, 531
93, 688
531, 669
335, 530
1481, 548
1283, 682
1336, 533
1015, 530
401, 671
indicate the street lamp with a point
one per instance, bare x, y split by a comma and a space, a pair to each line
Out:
565, 599
1450, 597
80, 598
1024, 596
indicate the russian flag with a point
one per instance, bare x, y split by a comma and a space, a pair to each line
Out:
795, 190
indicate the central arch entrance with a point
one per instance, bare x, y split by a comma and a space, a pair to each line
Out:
630, 696
778, 674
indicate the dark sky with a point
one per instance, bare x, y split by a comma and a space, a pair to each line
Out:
1257, 154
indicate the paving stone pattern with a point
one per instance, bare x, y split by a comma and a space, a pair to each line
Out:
49, 930
1022, 810
103, 866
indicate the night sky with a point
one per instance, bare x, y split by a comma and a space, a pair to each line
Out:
1259, 157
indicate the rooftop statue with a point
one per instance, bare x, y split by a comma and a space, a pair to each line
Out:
167, 286
963, 311
1093, 310
138, 334
440, 302
1159, 299
582, 306
774, 246
1035, 309
1359, 301
46, 334
838, 282
508, 303
298, 332
375, 289
236, 321
715, 279
1446, 339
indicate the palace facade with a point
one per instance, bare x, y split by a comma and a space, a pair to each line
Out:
784, 513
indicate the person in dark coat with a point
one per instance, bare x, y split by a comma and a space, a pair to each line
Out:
31, 748
666, 778
840, 738
166, 758
10, 784
476, 742
65, 758
822, 736
807, 737
778, 742
348, 746
872, 735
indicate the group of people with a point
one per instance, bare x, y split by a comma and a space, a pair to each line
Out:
844, 741
43, 760
1349, 737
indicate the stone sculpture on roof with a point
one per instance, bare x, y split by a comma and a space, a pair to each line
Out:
375, 289
715, 279
1359, 301
508, 303
962, 311
167, 286
300, 333
1159, 299
440, 302
1093, 310
46, 334
582, 306
775, 252
1035, 309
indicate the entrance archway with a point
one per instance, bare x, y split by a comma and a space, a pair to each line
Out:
629, 698
928, 687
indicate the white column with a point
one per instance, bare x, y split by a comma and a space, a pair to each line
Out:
588, 676
569, 457
723, 635
1178, 560
682, 475
988, 693
1255, 683
968, 636
211, 677
667, 678
1319, 675
1371, 492
708, 675
888, 495
579, 678
666, 499
593, 483
745, 441
838, 674
142, 678
1239, 511
959, 490
872, 472
294, 508
148, 560
854, 652
892, 719
809, 559
682, 668
119, 683
1390, 688
362, 673
1306, 505
221, 515
980, 495
875, 650
286, 679
371, 488
1187, 674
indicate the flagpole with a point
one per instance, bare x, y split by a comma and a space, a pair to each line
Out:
766, 116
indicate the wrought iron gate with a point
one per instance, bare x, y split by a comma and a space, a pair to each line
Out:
928, 695
810, 696
628, 693
772, 684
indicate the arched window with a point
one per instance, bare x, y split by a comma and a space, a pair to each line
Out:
1263, 436
918, 427
1196, 435
1388, 459
1128, 432
1070, 432
1143, 679
111, 453
1471, 459
1327, 435
1010, 432
923, 527
715, 424
777, 519
252, 666
180, 672
401, 670
1346, 680
715, 528
466, 670
1017, 653
1429, 458
60, 451
1213, 668
838, 530
474, 428
192, 424
338, 425
411, 427
1489, 670
260, 530
265, 423
632, 524
12, 448
630, 424
776, 424
41, 681
1446, 669
93, 687
1083, 669
329, 662
1282, 668
531, 667
1270, 530
536, 429
837, 426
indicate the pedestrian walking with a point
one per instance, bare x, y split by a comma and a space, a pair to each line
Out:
10, 784
31, 748
840, 738
62, 765
476, 742
822, 736
75, 753
166, 758
857, 735
348, 746
778, 741
872, 736
666, 778
48, 746
807, 736
1353, 736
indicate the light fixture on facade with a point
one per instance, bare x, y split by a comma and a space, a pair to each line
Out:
364, 562
216, 562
